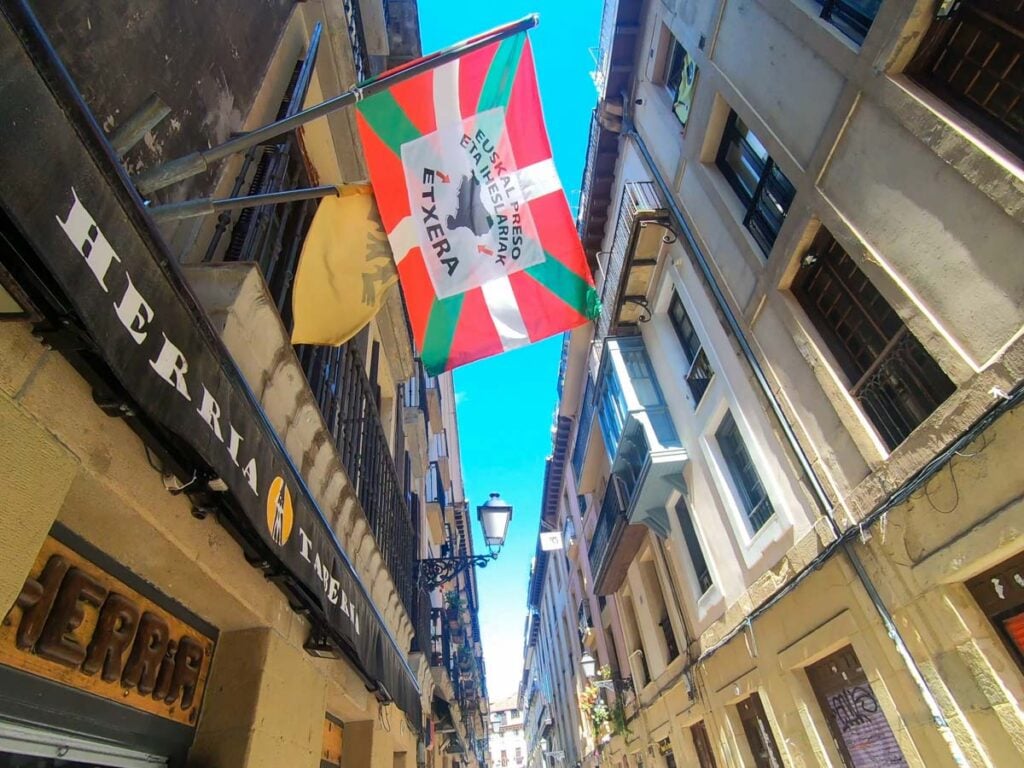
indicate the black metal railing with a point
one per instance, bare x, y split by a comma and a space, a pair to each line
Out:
415, 395
637, 197
421, 619
360, 53
434, 488
699, 376
272, 237
851, 17
347, 401
902, 388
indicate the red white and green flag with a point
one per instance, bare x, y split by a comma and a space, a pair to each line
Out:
460, 162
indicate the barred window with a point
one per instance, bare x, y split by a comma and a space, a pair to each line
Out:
752, 496
763, 189
892, 377
974, 60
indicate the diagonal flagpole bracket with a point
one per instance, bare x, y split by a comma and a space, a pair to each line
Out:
190, 209
186, 167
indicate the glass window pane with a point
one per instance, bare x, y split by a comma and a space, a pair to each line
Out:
753, 498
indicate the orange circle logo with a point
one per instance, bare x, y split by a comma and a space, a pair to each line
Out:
279, 511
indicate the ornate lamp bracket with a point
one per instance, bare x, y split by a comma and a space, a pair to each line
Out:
640, 301
670, 235
435, 571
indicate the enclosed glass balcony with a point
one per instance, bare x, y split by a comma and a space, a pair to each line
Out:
646, 459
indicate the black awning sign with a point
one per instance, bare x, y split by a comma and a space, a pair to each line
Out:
169, 364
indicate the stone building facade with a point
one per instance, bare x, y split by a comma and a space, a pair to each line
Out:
507, 743
209, 536
792, 471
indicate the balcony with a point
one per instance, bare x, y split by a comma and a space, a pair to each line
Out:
646, 458
436, 501
319, 399
620, 31
414, 417
629, 267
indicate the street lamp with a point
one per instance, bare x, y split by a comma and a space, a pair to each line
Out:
589, 664
494, 516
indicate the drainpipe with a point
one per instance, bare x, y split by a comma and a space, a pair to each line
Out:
818, 490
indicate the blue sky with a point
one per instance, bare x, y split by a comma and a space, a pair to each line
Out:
506, 404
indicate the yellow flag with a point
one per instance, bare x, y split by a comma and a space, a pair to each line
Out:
344, 271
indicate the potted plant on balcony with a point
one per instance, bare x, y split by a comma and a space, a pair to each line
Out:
453, 606
466, 659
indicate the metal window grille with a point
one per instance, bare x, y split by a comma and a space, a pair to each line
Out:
892, 377
759, 733
697, 559
755, 502
974, 60
698, 377
851, 17
763, 189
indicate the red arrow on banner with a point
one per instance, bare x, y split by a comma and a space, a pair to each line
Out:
484, 249
445, 178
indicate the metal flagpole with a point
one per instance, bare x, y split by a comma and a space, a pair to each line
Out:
198, 162
190, 209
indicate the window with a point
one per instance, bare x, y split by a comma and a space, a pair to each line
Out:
1000, 594
700, 372
680, 79
700, 565
702, 745
763, 189
974, 60
759, 733
892, 377
858, 726
851, 17
504, 758
753, 498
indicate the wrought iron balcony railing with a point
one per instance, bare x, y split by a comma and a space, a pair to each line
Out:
638, 197
272, 237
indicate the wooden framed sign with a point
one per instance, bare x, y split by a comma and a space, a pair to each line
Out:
75, 624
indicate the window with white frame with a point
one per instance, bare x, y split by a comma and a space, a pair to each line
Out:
753, 499
699, 373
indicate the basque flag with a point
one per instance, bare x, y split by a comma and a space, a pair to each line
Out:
487, 252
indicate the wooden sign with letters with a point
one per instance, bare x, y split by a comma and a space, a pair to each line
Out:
75, 624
